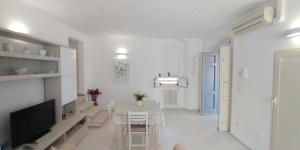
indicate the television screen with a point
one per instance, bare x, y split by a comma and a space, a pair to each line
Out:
29, 124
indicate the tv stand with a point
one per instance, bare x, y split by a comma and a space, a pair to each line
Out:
71, 130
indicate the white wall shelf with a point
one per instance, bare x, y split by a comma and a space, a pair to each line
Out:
28, 76
28, 56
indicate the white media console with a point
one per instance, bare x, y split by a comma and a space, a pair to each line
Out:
69, 131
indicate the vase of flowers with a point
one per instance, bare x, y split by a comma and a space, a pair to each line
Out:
139, 97
94, 94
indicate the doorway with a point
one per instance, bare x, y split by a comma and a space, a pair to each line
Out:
79, 47
286, 112
210, 84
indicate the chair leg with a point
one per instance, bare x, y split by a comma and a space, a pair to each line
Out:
157, 135
129, 141
147, 142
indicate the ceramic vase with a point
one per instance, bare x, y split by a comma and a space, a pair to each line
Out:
42, 52
139, 103
94, 99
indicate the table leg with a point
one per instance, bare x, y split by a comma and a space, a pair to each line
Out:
157, 138
119, 134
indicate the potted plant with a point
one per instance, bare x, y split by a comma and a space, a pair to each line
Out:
94, 94
139, 97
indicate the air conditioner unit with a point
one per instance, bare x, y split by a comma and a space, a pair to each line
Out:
254, 20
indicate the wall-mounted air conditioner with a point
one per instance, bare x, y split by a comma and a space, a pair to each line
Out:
254, 20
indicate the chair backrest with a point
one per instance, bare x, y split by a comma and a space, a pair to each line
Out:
137, 118
111, 106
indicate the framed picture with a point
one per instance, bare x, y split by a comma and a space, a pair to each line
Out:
121, 71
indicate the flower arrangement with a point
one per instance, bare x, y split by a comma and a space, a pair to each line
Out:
139, 96
94, 93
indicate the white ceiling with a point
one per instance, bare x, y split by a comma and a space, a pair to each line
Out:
148, 18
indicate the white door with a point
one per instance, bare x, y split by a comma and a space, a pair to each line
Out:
286, 104
210, 88
225, 88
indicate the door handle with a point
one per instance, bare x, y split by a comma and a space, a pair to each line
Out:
274, 102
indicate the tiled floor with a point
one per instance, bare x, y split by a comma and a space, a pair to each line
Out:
187, 127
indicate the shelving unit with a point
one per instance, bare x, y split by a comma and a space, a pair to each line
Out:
37, 66
28, 56
58, 71
28, 76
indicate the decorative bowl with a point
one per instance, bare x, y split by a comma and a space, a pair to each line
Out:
9, 47
21, 71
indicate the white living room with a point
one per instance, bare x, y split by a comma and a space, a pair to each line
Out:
149, 75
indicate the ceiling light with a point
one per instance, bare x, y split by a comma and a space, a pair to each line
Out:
292, 32
296, 40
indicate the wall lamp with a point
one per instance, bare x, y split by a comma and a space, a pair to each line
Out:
18, 27
292, 32
121, 53
121, 57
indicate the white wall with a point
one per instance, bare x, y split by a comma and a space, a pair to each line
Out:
19, 94
38, 24
193, 72
145, 64
213, 41
16, 95
251, 112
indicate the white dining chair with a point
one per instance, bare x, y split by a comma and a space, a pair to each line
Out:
138, 125
111, 109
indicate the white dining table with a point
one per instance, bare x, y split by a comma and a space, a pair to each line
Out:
155, 118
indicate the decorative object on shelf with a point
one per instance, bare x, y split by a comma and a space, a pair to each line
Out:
139, 97
42, 52
52, 55
170, 80
121, 71
8, 47
67, 115
94, 94
26, 50
21, 70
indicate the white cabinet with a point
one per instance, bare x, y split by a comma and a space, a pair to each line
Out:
68, 61
68, 75
68, 89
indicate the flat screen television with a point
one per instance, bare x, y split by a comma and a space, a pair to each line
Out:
29, 124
